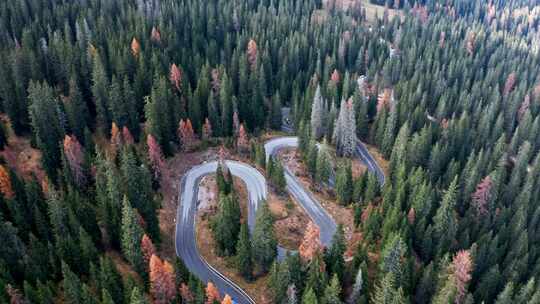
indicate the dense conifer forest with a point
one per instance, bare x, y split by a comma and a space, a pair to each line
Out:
106, 92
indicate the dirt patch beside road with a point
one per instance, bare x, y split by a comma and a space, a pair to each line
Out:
341, 214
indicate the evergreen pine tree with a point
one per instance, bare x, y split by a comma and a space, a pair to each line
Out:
344, 184
132, 234
71, 285
226, 225
100, 86
332, 292
110, 280
317, 115
309, 297
47, 125
445, 222
243, 253
264, 241
334, 256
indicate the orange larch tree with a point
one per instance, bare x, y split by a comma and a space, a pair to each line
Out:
311, 244
135, 47
127, 137
482, 195
509, 84
385, 99
5, 183
175, 76
462, 267
212, 293
252, 53
155, 36
186, 133
74, 157
162, 281
147, 248
155, 156
227, 300
186, 294
242, 142
116, 138
335, 77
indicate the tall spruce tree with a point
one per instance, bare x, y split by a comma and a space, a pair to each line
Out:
226, 225
132, 234
317, 115
264, 240
47, 124
244, 253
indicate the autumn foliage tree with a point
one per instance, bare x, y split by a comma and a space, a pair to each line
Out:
186, 294
5, 183
242, 142
147, 248
212, 294
252, 53
175, 76
135, 47
162, 281
116, 138
127, 136
482, 195
227, 300
74, 156
462, 267
15, 296
509, 84
186, 133
311, 244
155, 35
155, 156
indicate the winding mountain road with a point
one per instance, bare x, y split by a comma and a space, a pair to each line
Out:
313, 208
186, 245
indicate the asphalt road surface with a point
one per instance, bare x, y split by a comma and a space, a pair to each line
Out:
313, 208
186, 244
372, 166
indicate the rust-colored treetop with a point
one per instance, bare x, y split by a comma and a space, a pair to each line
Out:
335, 77
74, 157
462, 266
311, 244
243, 140
155, 36
212, 293
175, 76
147, 248
510, 83
162, 281
5, 183
155, 156
252, 53
227, 300
186, 133
135, 47
127, 137
482, 195
186, 294
116, 136
385, 99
